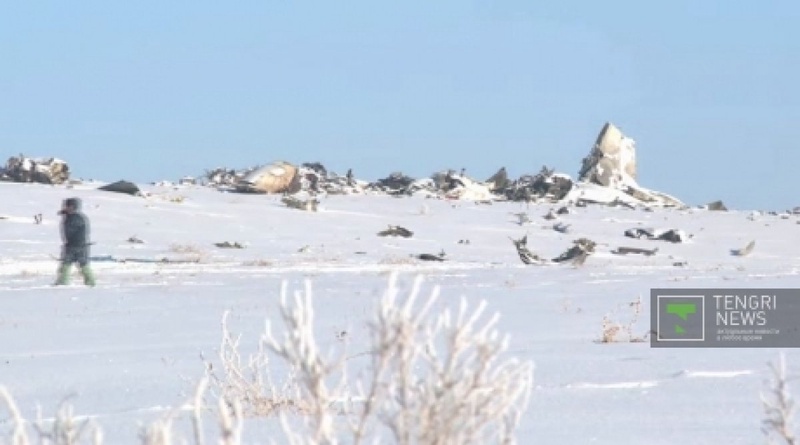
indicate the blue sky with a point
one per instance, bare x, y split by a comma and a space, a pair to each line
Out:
153, 90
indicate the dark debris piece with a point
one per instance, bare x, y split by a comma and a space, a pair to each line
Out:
396, 231
229, 245
634, 250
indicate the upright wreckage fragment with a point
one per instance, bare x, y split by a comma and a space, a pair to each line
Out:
608, 174
612, 161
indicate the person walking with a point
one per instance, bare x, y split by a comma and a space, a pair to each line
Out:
75, 238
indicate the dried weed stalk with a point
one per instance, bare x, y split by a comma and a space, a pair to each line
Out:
779, 406
615, 332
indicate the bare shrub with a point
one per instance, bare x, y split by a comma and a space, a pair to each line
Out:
64, 429
433, 379
249, 382
18, 433
615, 331
778, 406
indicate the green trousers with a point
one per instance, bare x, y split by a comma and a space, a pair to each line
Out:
65, 269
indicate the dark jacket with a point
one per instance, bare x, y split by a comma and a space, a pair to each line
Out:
75, 227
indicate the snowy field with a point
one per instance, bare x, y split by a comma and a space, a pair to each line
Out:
129, 349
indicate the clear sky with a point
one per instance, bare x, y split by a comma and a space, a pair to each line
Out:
149, 90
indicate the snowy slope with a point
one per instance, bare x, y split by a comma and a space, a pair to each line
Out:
130, 348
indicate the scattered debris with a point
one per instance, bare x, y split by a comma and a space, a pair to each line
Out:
747, 250
395, 184
464, 188
225, 178
561, 227
576, 255
295, 203
717, 206
607, 176
522, 218
135, 240
563, 211
162, 260
498, 181
581, 249
524, 253
40, 170
551, 215
452, 185
304, 249
547, 185
671, 235
620, 203
396, 231
229, 245
680, 263
634, 250
431, 257
463, 241
122, 187
579, 259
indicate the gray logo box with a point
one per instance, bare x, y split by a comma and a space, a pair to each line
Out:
725, 318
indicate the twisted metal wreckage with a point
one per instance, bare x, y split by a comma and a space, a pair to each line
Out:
42, 170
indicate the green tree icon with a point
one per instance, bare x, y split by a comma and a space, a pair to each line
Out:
682, 310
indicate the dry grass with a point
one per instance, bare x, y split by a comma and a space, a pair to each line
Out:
63, 429
614, 331
779, 408
397, 260
258, 263
190, 252
66, 429
186, 248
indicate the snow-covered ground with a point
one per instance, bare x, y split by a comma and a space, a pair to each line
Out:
130, 348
